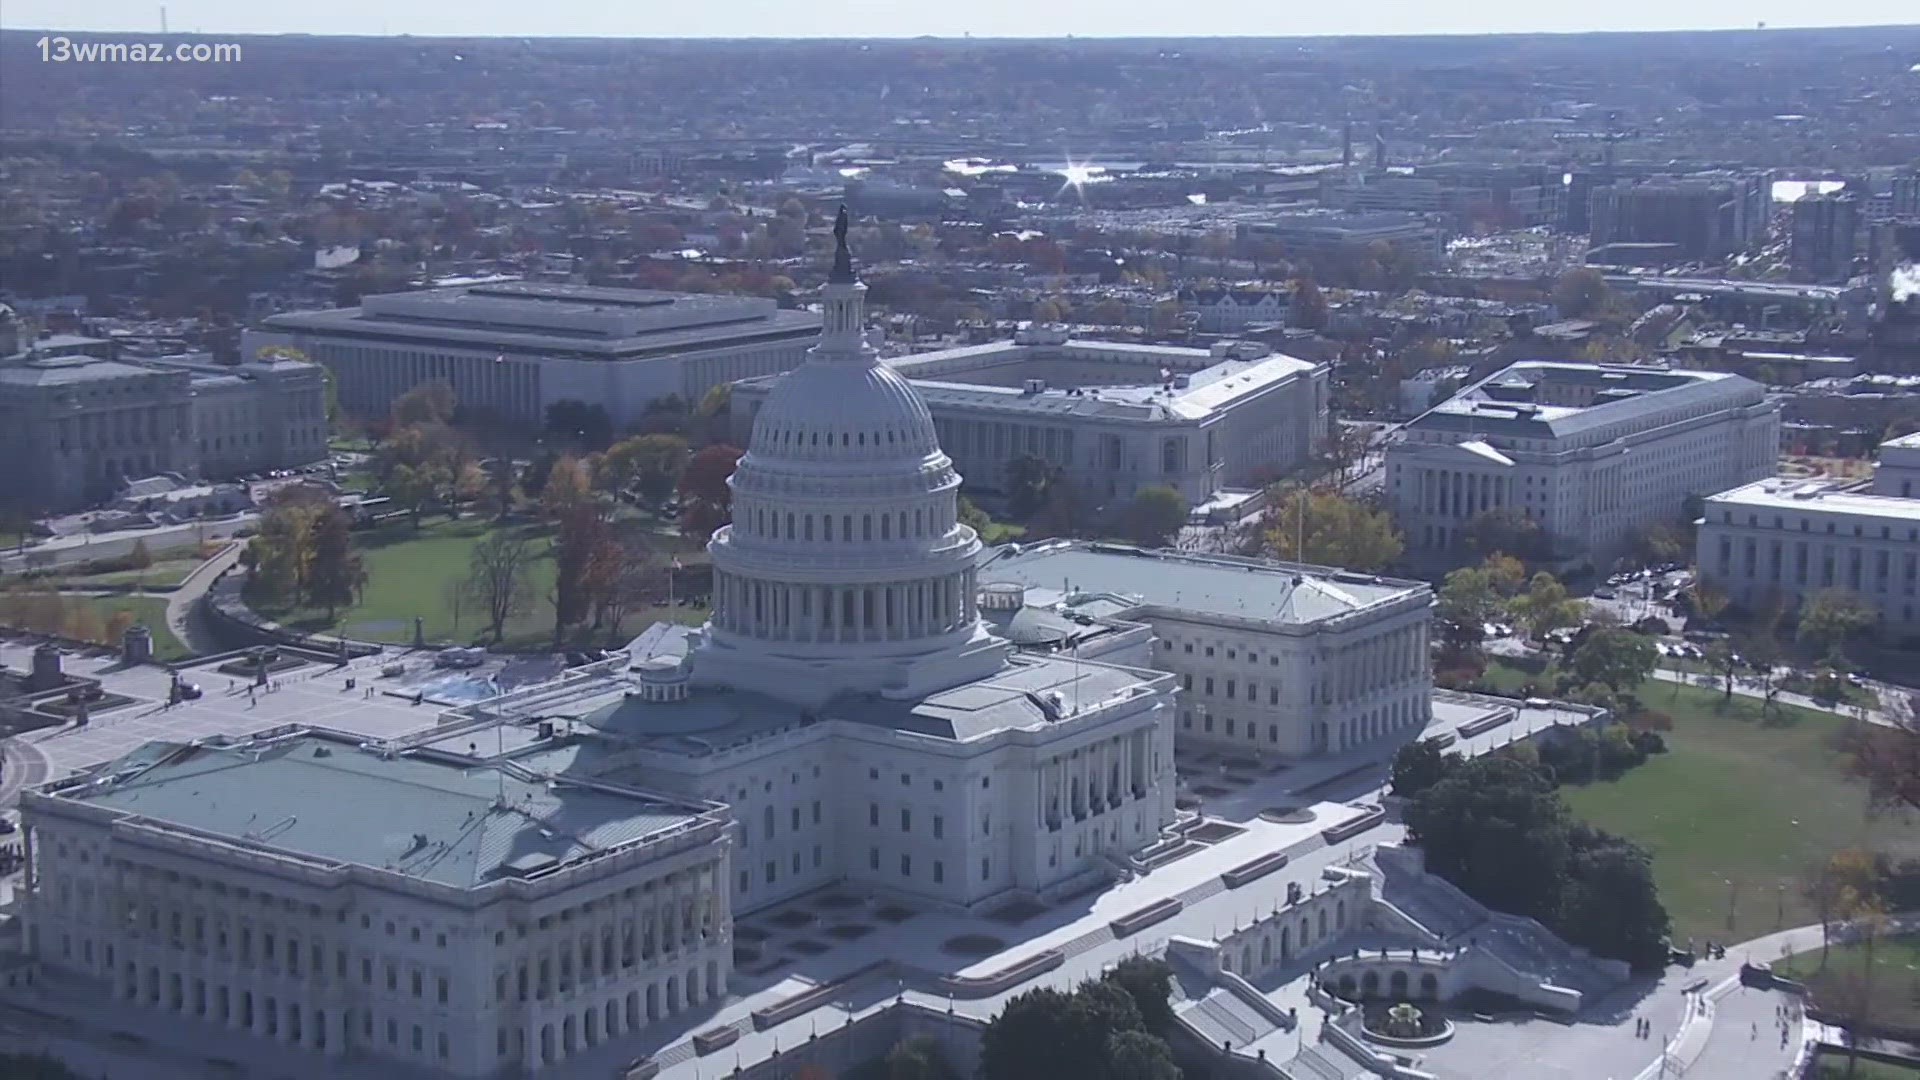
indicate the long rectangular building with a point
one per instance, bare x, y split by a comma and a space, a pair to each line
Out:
1786, 540
1114, 417
516, 347
1590, 453
410, 908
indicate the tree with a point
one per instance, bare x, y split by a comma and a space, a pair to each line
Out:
281, 550
1706, 602
1725, 663
1580, 293
1833, 620
499, 579
706, 499
414, 489
429, 402
1496, 828
650, 464
1612, 905
1097, 1030
716, 402
1468, 601
1325, 528
567, 488
1028, 480
918, 1058
1155, 515
139, 558
584, 555
973, 517
1420, 765
1150, 982
1887, 756
1309, 306
1505, 529
1545, 606
335, 574
1614, 657
1137, 1055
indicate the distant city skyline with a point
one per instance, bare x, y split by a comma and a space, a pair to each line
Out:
985, 18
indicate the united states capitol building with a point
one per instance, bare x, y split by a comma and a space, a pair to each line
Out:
877, 707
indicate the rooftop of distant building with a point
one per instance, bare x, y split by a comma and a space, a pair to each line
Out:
562, 319
1206, 585
1547, 400
1827, 496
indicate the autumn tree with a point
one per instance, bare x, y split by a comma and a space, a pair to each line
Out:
335, 573
706, 500
414, 488
118, 624
1545, 606
567, 488
430, 402
500, 578
1309, 307
1326, 528
649, 464
1887, 755
585, 555
1581, 293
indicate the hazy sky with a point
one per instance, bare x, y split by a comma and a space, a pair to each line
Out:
953, 18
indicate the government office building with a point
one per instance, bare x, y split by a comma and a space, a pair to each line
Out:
1591, 453
1114, 417
1784, 540
515, 347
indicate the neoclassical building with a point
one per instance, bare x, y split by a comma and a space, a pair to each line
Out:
1589, 453
847, 716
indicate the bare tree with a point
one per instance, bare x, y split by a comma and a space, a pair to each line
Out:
640, 580
1887, 754
498, 579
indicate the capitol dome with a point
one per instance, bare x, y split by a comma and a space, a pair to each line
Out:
846, 567
832, 411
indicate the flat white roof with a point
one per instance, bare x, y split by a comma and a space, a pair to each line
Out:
1782, 493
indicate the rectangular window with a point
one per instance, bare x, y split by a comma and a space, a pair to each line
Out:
939, 872
873, 858
939, 826
873, 814
906, 866
906, 820
985, 869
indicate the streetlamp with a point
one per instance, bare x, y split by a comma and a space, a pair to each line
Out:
1733, 901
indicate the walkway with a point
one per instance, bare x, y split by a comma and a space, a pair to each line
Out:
1743, 688
184, 615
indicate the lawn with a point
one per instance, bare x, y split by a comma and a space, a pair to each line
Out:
151, 610
413, 573
163, 574
1738, 811
1896, 975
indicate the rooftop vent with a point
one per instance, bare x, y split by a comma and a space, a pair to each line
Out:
1034, 386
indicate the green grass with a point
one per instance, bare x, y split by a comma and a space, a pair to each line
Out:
151, 610
1896, 975
163, 574
1737, 798
417, 573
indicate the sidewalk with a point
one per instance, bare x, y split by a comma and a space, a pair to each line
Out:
1747, 690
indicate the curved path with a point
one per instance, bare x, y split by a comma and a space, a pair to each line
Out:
184, 616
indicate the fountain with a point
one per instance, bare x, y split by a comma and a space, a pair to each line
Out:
1405, 1024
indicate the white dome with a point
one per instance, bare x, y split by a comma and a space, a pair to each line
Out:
837, 410
846, 567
